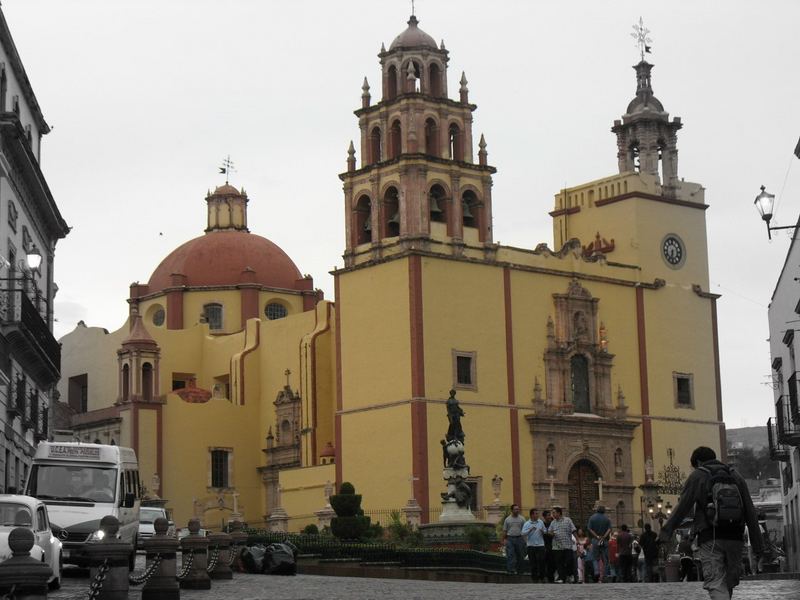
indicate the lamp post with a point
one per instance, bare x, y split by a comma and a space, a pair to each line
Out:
764, 203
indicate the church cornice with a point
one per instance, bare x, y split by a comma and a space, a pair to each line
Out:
417, 159
411, 96
644, 196
218, 288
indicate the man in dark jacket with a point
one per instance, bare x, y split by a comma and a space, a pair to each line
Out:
648, 543
720, 547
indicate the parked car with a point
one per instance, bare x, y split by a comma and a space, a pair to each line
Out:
147, 519
26, 511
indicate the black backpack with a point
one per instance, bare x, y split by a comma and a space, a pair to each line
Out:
723, 505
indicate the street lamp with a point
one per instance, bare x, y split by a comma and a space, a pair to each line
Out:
764, 204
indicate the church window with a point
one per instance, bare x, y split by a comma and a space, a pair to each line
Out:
464, 371
391, 83
634, 156
683, 384
456, 148
275, 310
375, 145
213, 316
391, 212
221, 467
431, 137
435, 81
126, 383
469, 207
438, 205
15, 104
78, 393
579, 379
395, 140
12, 217
158, 317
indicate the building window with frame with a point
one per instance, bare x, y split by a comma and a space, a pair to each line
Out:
683, 386
12, 216
221, 467
464, 370
213, 316
275, 310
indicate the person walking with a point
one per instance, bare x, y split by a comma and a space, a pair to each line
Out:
625, 553
533, 532
549, 557
599, 528
722, 507
582, 541
514, 543
650, 550
563, 529
613, 559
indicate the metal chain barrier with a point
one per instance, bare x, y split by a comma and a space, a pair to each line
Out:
97, 582
145, 577
213, 560
187, 567
233, 553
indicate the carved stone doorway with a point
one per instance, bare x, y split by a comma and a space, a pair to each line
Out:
583, 494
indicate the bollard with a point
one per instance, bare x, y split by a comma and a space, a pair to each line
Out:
109, 555
197, 578
163, 585
238, 543
222, 567
22, 576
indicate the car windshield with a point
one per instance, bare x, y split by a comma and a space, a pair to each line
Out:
149, 515
78, 483
13, 514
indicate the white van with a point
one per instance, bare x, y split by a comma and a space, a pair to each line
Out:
81, 484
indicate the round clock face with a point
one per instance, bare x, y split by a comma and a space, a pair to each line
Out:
673, 251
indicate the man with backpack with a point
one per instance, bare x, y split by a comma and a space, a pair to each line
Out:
722, 508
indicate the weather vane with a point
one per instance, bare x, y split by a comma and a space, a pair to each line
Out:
641, 35
226, 168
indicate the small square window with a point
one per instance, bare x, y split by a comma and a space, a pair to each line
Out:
683, 385
464, 371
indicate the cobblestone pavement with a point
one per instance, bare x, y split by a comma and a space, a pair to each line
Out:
302, 587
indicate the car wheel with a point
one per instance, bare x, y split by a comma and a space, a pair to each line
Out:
55, 584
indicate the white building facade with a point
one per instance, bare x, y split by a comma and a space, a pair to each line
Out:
30, 224
784, 427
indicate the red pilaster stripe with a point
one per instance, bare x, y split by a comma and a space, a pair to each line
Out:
723, 442
419, 414
338, 417
135, 428
647, 432
160, 444
513, 416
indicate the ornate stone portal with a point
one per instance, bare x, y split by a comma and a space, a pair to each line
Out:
581, 439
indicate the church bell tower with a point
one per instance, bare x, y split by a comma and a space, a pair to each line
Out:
417, 182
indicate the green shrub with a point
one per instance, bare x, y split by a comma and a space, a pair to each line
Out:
311, 529
347, 488
349, 522
349, 528
374, 532
346, 505
477, 537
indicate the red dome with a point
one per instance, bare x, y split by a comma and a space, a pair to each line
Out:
219, 257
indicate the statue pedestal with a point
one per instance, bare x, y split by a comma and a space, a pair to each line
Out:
412, 511
451, 512
494, 512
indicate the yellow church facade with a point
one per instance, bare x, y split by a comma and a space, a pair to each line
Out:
588, 372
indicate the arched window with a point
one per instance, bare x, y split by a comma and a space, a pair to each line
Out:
391, 83
147, 382
438, 204
363, 221
431, 137
275, 310
456, 150
213, 316
469, 208
375, 145
634, 156
126, 383
579, 380
435, 80
391, 213
412, 77
395, 140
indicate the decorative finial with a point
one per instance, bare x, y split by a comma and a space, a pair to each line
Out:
365, 95
463, 81
365, 87
351, 157
441, 46
351, 151
464, 91
482, 151
642, 37
482, 143
383, 47
412, 8
226, 168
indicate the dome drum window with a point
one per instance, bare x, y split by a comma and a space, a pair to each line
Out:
212, 314
275, 310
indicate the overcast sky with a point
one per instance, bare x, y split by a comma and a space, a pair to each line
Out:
146, 98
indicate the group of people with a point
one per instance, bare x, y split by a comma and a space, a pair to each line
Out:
714, 496
560, 552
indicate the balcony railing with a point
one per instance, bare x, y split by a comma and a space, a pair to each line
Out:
788, 431
794, 410
29, 337
777, 451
